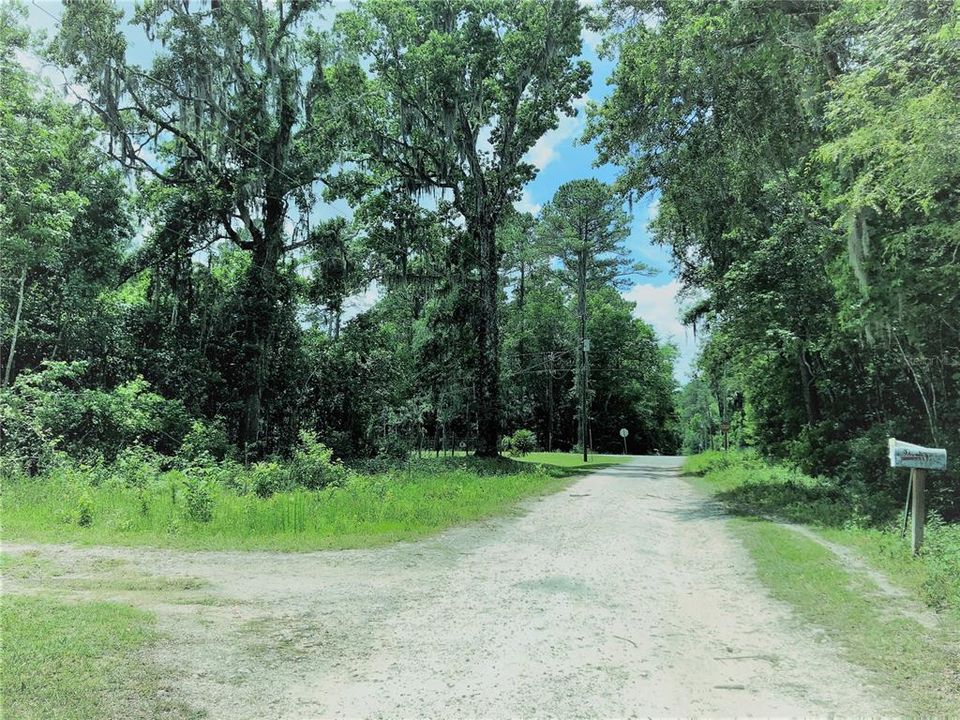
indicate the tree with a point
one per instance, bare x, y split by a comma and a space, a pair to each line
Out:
584, 226
454, 96
805, 158
62, 216
233, 114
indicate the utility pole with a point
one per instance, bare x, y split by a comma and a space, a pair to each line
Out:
584, 345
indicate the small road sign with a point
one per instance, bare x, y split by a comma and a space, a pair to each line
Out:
624, 432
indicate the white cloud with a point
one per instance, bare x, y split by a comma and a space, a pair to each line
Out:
652, 209
591, 38
361, 302
526, 203
545, 150
660, 306
50, 74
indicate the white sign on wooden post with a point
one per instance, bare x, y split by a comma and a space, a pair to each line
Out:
919, 459
907, 455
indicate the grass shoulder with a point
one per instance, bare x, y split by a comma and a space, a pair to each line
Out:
68, 656
909, 639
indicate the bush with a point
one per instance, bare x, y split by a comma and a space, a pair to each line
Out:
523, 441
713, 460
136, 466
313, 466
205, 440
84, 513
267, 478
393, 446
506, 444
198, 496
51, 408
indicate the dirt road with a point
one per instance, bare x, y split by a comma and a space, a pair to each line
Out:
624, 595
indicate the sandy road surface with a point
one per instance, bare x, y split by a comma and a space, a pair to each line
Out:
624, 595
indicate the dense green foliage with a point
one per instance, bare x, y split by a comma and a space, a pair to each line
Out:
805, 156
178, 282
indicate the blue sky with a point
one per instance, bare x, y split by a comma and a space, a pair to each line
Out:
560, 158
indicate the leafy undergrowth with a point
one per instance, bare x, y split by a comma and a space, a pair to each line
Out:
921, 664
232, 507
65, 659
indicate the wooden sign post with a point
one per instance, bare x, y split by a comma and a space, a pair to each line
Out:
918, 478
919, 459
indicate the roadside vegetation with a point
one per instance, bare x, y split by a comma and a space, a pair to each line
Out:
66, 659
888, 632
858, 517
306, 503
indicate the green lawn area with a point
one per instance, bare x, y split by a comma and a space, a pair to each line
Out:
878, 632
572, 460
66, 659
68, 656
425, 497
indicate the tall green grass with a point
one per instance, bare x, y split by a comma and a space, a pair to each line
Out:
367, 510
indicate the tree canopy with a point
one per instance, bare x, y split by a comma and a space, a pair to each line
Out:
195, 223
805, 159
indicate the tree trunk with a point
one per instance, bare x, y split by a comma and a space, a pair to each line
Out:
488, 340
811, 398
16, 328
259, 325
581, 351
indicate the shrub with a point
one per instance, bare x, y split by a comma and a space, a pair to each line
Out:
524, 441
229, 474
267, 478
198, 496
393, 446
136, 466
713, 460
84, 512
313, 466
205, 440
506, 444
52, 408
